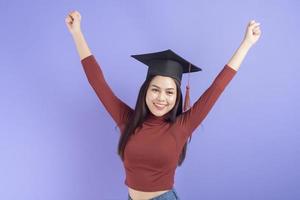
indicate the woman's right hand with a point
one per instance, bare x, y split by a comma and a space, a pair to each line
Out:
73, 22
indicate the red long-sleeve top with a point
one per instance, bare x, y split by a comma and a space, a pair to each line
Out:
152, 153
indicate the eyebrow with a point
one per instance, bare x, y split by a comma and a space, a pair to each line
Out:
166, 88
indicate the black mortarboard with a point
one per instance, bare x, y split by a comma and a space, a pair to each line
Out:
168, 63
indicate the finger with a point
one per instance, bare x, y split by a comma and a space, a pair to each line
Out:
251, 22
77, 14
253, 28
68, 20
254, 25
257, 32
71, 16
74, 16
256, 28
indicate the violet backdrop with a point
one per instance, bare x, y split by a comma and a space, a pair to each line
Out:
57, 142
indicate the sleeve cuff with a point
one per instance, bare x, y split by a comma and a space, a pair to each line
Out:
87, 59
225, 76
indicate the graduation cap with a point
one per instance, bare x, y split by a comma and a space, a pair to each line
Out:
168, 63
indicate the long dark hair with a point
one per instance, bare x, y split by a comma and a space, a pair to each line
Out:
141, 111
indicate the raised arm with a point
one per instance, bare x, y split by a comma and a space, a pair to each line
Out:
193, 117
197, 113
118, 110
252, 35
73, 21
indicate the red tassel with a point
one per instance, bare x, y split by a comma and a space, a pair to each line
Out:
187, 103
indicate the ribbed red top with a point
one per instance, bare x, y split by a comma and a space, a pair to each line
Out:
152, 154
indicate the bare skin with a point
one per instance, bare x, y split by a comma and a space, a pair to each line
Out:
162, 96
140, 195
252, 35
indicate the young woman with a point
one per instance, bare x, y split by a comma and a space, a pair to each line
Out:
154, 135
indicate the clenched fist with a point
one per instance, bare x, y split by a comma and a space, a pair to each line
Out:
253, 32
73, 21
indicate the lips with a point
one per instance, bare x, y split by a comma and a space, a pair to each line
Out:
159, 106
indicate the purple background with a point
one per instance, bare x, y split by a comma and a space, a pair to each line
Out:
58, 142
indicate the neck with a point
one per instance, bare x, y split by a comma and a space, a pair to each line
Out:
150, 114
155, 119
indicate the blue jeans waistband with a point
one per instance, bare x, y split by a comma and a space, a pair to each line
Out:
170, 195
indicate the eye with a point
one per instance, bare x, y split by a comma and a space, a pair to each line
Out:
155, 90
170, 93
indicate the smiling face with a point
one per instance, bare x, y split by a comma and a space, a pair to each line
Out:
161, 95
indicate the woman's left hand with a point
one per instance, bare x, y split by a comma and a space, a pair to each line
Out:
253, 33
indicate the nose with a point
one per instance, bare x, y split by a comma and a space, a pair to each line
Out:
160, 97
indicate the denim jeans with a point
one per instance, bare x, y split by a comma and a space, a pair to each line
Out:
170, 195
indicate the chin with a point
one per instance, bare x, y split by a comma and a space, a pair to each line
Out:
159, 114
